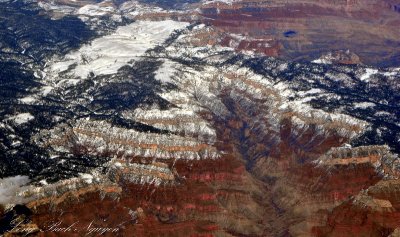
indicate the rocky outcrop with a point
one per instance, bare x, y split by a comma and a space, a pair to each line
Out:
339, 57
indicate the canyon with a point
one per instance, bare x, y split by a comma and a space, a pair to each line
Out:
203, 118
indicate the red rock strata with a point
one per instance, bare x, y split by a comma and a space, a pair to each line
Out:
297, 186
212, 196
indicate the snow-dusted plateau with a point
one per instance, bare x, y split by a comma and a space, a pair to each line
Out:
199, 118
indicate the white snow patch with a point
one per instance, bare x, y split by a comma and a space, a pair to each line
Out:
388, 74
363, 105
382, 113
28, 100
46, 90
134, 8
87, 177
368, 73
117, 164
95, 10
166, 71
311, 91
322, 61
10, 187
15, 143
22, 118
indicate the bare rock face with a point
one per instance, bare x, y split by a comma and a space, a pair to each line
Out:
165, 126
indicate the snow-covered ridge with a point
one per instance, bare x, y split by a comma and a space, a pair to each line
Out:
182, 121
387, 163
154, 173
99, 137
17, 190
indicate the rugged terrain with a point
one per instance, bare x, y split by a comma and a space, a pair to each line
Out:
172, 118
